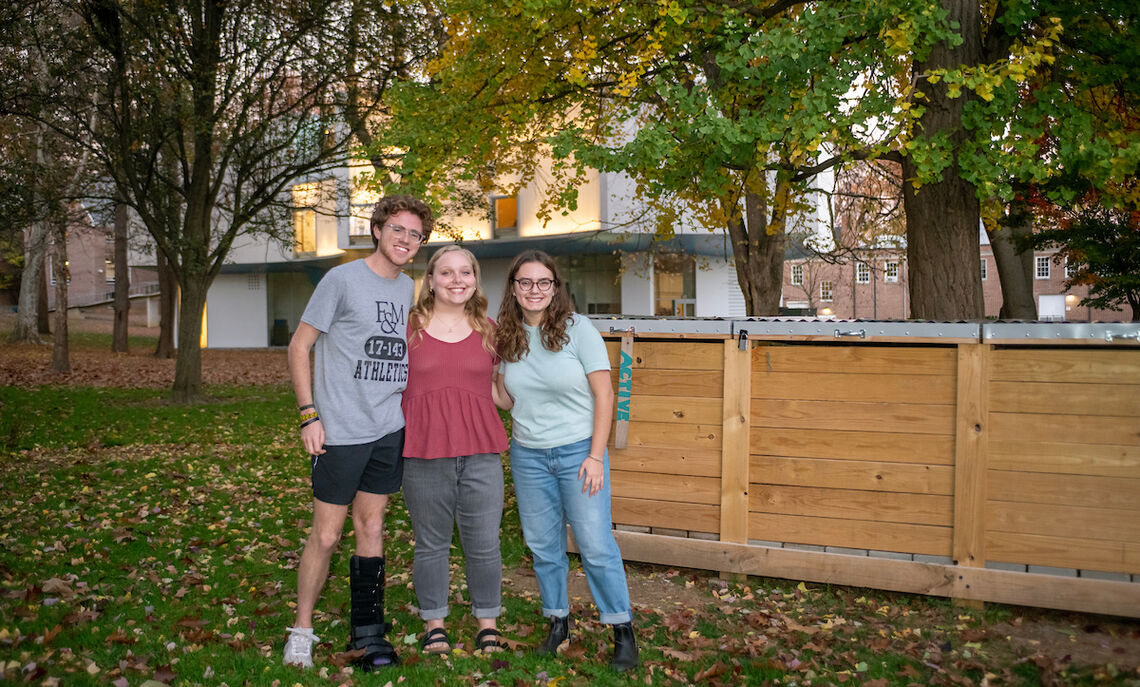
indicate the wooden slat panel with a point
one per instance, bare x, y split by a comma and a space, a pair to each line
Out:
825, 386
1065, 458
679, 488
668, 461
851, 474
670, 355
1059, 399
970, 434
1076, 522
705, 383
828, 415
851, 504
1077, 429
686, 409
1068, 365
1072, 490
734, 448
677, 516
854, 534
1063, 552
872, 444
674, 435
861, 359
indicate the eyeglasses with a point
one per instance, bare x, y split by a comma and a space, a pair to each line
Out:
542, 284
398, 230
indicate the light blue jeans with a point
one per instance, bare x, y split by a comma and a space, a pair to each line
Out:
550, 496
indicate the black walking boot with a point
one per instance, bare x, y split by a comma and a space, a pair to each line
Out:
559, 633
625, 648
366, 622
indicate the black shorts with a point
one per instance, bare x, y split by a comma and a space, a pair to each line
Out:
376, 468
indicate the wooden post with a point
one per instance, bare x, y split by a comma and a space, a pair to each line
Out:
624, 390
970, 443
736, 423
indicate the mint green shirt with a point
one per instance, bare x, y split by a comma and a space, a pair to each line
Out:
553, 402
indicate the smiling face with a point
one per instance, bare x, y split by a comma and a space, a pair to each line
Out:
453, 279
398, 247
533, 301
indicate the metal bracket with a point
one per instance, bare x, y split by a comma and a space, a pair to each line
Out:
1108, 336
861, 333
742, 340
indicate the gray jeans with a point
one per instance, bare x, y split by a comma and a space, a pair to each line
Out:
441, 493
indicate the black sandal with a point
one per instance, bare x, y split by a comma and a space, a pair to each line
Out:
487, 641
435, 638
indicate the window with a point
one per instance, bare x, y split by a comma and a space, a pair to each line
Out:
1070, 269
1042, 263
674, 284
504, 216
360, 225
797, 274
891, 271
862, 273
304, 231
109, 259
985, 272
825, 291
50, 266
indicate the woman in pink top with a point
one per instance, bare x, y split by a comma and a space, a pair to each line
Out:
453, 437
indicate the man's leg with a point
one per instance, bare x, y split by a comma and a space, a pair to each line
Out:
367, 628
368, 523
328, 522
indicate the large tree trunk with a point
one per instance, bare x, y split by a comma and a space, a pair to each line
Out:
167, 295
757, 255
122, 305
188, 364
943, 216
31, 284
1014, 266
60, 357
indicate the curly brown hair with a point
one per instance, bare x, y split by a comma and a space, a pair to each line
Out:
475, 308
513, 344
391, 205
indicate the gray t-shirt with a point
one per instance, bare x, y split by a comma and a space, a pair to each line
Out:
360, 365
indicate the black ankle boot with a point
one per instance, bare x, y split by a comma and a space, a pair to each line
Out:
625, 648
559, 632
366, 618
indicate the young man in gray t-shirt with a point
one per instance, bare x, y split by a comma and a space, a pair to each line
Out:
351, 423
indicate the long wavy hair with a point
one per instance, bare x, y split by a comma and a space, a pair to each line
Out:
475, 307
513, 344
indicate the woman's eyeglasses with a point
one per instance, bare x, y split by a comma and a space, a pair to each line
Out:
543, 285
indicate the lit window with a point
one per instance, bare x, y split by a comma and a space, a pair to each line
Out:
1042, 262
504, 216
891, 271
797, 274
825, 291
674, 284
304, 231
862, 273
985, 272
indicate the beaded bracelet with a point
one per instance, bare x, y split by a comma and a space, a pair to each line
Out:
311, 415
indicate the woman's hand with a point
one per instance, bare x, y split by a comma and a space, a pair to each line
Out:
593, 474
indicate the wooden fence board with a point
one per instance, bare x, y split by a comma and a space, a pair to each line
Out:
1068, 458
855, 534
674, 435
872, 444
1071, 428
831, 415
826, 386
734, 449
650, 382
685, 409
970, 457
1072, 490
679, 488
1108, 524
667, 461
854, 359
1115, 400
851, 474
679, 516
1068, 365
1064, 552
675, 355
921, 509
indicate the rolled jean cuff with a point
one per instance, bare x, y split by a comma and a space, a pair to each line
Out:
487, 612
615, 618
433, 614
555, 612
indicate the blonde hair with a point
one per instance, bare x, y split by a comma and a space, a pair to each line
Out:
475, 307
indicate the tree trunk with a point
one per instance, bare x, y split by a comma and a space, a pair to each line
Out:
188, 364
943, 216
60, 358
31, 283
1014, 266
757, 255
43, 321
167, 293
122, 305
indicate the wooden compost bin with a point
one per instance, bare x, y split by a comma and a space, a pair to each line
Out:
996, 462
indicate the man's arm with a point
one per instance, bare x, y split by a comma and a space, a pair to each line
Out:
313, 434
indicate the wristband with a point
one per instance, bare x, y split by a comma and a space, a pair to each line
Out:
595, 458
310, 421
307, 406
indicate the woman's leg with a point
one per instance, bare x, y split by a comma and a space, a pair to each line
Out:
543, 524
430, 494
479, 513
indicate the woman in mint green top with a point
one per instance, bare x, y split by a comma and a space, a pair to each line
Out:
557, 373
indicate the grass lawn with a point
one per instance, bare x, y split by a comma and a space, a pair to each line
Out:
143, 541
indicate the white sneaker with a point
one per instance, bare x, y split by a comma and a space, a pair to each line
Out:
299, 646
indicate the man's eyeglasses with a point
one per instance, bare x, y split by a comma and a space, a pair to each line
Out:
398, 230
542, 284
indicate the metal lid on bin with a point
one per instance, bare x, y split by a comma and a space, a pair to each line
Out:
1063, 333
